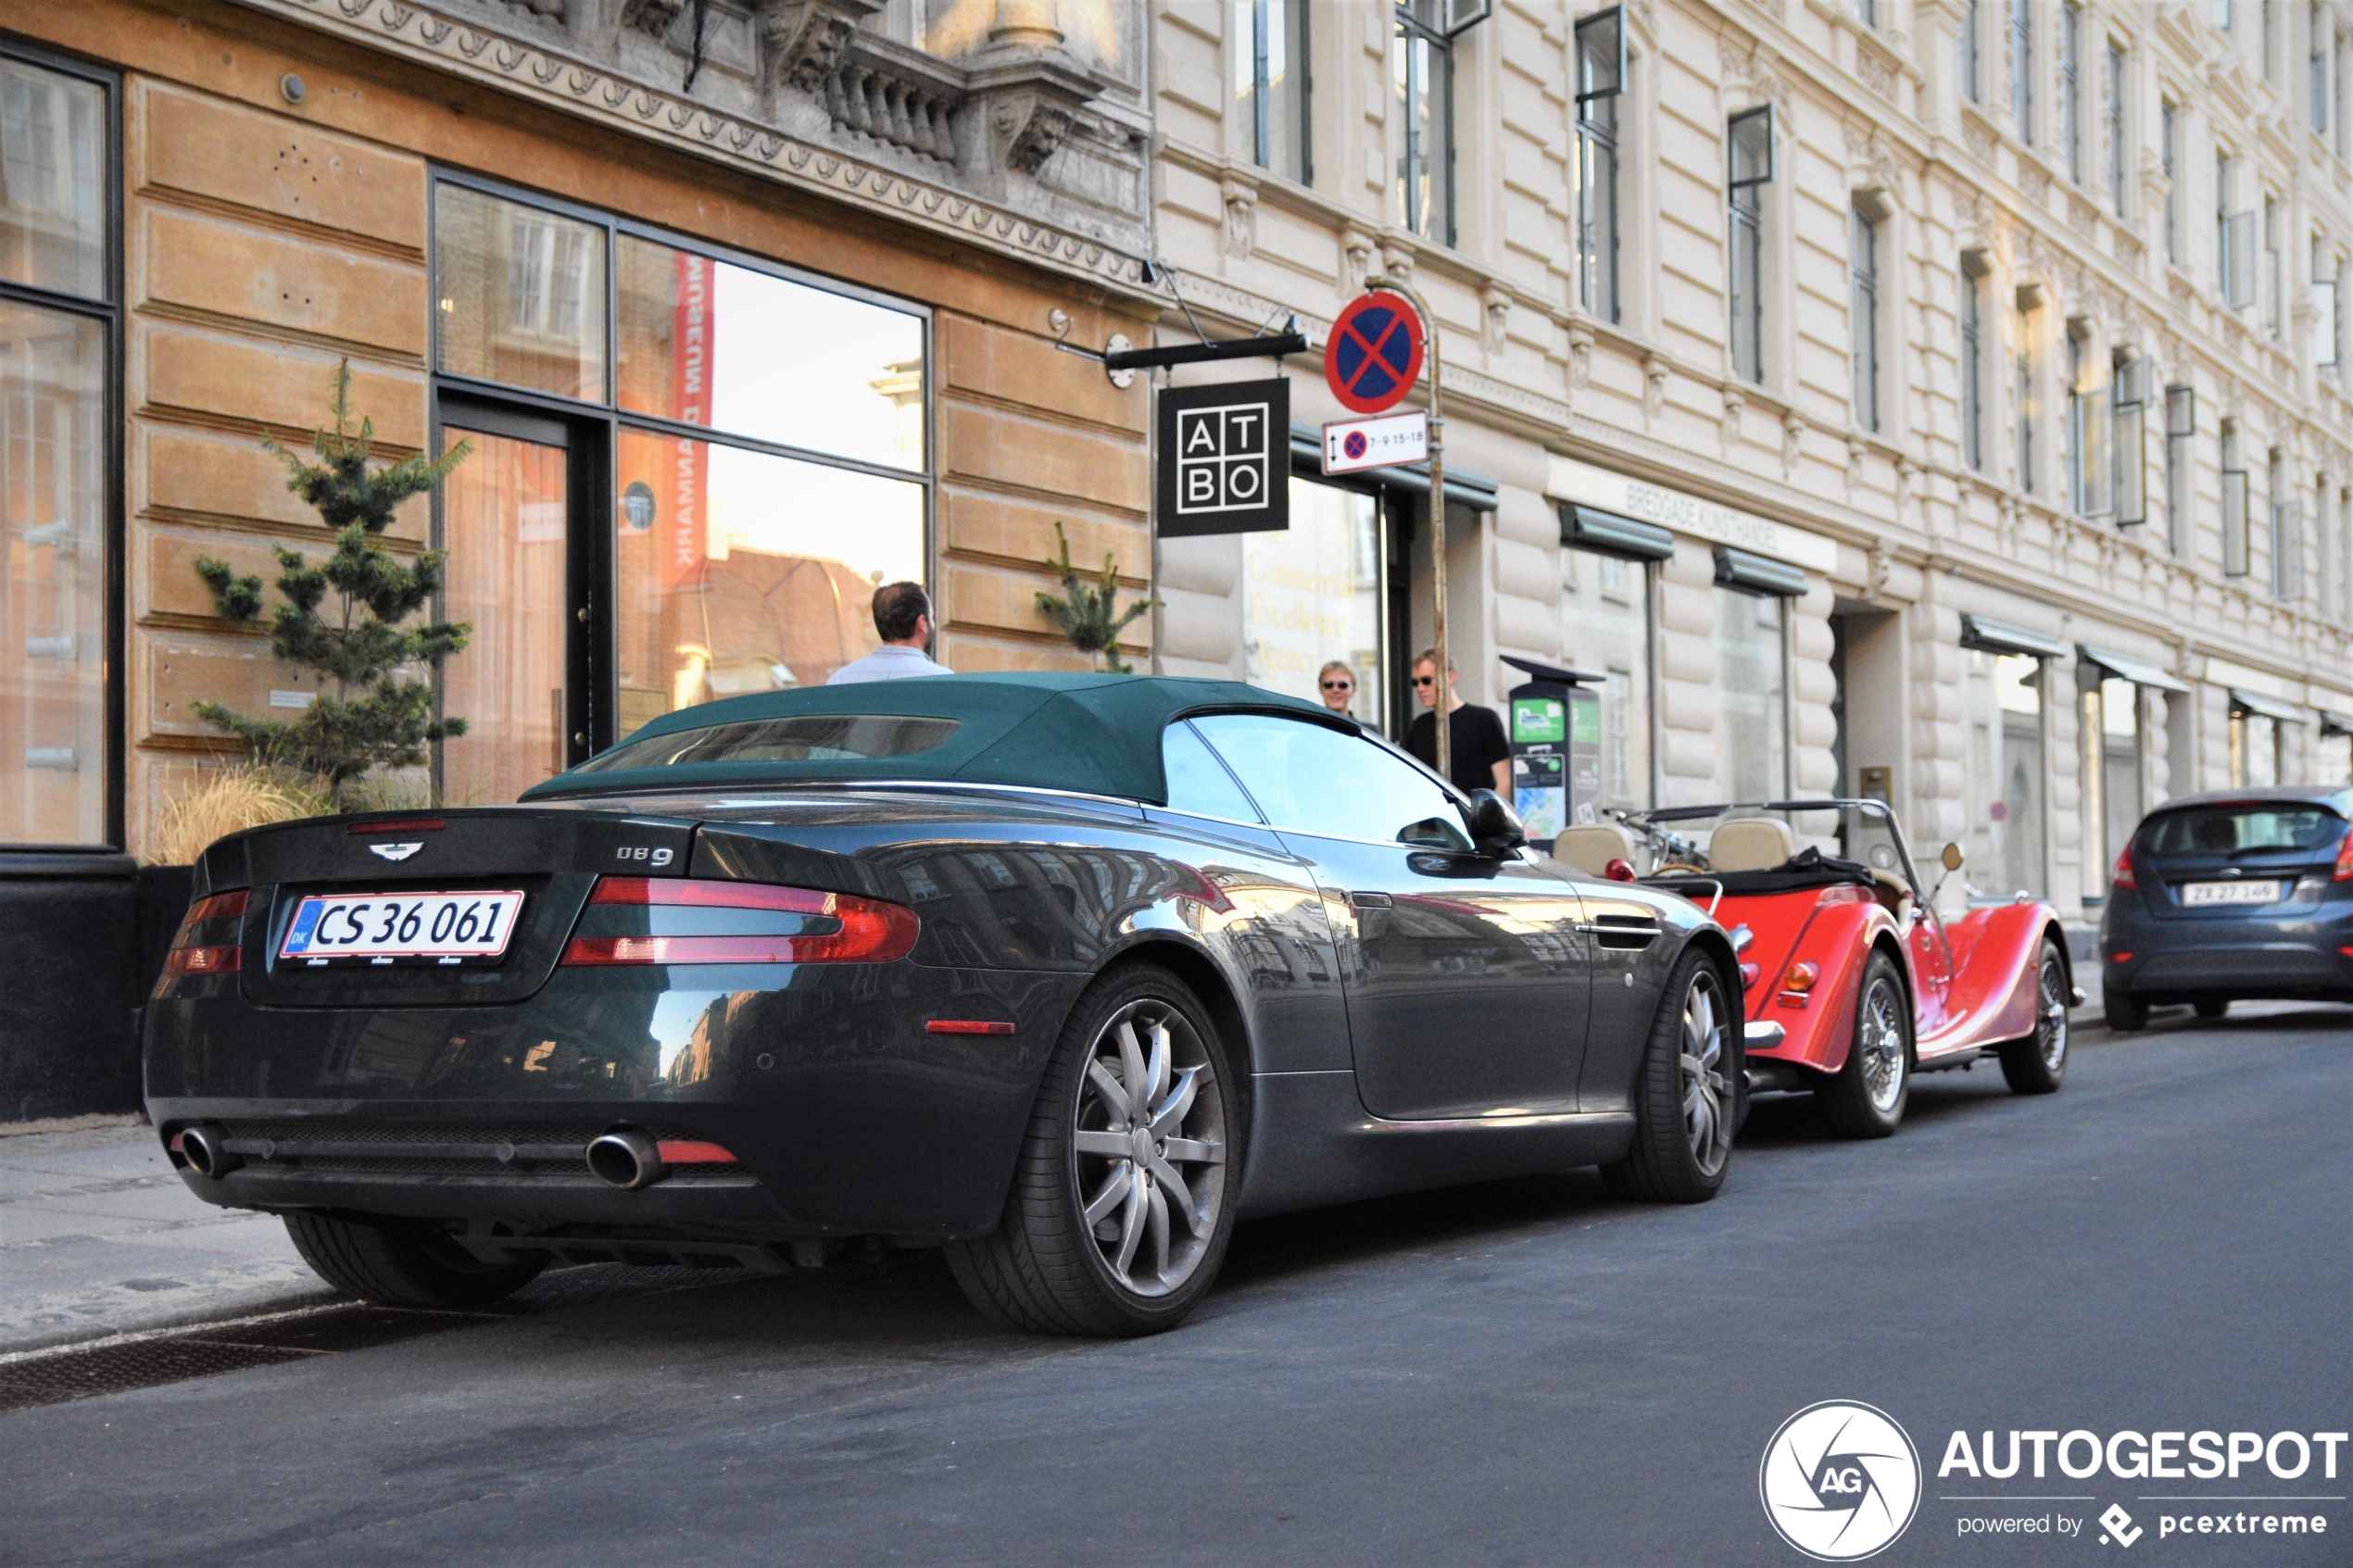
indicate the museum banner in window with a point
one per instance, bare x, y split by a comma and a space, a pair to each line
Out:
1312, 596
782, 594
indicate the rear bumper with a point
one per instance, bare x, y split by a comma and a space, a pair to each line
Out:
2229, 958
845, 1115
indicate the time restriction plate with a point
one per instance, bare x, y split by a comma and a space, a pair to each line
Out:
391, 928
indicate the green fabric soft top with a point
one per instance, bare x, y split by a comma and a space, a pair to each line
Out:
1097, 734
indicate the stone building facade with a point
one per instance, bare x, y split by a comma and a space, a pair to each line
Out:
1933, 399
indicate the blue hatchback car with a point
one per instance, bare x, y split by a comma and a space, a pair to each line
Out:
2228, 895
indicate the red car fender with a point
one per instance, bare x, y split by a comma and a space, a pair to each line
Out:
1996, 970
1837, 938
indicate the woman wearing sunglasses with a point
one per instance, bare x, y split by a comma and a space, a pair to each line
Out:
1336, 684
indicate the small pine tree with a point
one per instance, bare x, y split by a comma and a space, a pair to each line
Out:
374, 717
1088, 614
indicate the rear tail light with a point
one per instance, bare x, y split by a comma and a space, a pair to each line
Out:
398, 825
207, 941
2345, 857
835, 927
2123, 875
1618, 871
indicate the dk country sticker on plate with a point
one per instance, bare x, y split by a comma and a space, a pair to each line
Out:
384, 928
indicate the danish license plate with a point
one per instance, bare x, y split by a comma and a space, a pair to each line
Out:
2196, 893
389, 928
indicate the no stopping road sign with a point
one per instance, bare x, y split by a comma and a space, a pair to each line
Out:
1374, 352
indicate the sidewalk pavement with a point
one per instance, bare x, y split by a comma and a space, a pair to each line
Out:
98, 1237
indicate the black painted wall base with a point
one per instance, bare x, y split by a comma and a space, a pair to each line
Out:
81, 940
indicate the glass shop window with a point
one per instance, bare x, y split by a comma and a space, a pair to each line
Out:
58, 320
1752, 694
1312, 597
2004, 706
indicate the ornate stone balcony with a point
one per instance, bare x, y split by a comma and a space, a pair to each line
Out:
998, 127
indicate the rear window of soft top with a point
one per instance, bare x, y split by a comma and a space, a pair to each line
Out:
2226, 830
800, 737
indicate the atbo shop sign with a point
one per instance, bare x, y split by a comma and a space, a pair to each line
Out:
1567, 480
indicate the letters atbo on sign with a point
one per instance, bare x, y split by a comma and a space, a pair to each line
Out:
1224, 458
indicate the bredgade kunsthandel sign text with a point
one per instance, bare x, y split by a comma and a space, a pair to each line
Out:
1567, 480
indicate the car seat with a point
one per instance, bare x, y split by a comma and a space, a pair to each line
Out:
1591, 847
1750, 844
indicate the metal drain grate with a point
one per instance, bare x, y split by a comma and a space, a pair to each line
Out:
114, 1368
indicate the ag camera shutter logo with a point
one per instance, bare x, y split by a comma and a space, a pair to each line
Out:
1840, 1481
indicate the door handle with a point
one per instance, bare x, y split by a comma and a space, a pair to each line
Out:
1371, 901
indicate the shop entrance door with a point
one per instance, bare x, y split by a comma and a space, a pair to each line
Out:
508, 521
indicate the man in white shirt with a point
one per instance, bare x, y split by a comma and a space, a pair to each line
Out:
902, 619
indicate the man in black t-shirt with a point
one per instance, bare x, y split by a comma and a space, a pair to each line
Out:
1481, 753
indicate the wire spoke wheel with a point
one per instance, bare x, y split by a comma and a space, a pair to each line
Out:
2036, 1063
1865, 1098
1149, 1128
1880, 1039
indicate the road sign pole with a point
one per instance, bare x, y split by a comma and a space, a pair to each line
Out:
1439, 722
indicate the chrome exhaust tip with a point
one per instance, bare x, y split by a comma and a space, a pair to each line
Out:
207, 1151
627, 1158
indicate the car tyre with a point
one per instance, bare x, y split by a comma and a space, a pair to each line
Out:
1122, 1201
1689, 1092
2211, 1007
1865, 1098
2122, 1010
397, 1266
2037, 1064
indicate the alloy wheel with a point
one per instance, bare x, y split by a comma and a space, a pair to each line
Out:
1151, 1131
1881, 1043
1707, 1113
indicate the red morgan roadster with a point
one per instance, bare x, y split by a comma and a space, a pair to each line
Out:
1853, 981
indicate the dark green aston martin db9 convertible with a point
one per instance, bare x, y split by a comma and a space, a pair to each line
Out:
1065, 973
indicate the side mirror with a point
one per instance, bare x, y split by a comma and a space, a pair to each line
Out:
1952, 856
1495, 828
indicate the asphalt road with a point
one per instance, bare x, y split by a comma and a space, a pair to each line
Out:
1527, 1372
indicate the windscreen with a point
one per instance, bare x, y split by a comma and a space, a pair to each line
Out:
802, 737
2230, 830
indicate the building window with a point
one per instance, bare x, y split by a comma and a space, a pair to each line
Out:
1749, 154
2111, 740
2023, 69
1863, 319
2233, 237
2255, 750
2129, 384
2004, 708
1312, 597
1601, 78
1972, 368
2170, 143
677, 533
2326, 293
1606, 612
2274, 293
60, 326
1752, 685
2071, 90
1270, 42
1421, 65
1972, 74
2234, 548
2023, 398
2088, 457
2316, 70
1866, 12
2112, 126
2287, 531
2181, 430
